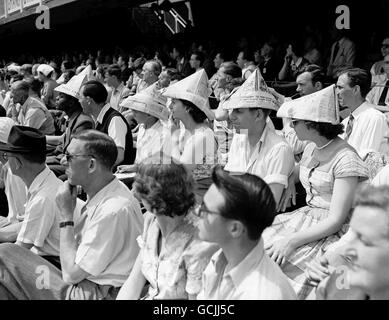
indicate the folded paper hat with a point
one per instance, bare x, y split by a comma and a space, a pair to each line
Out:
150, 101
194, 88
23, 139
320, 106
73, 86
253, 93
45, 69
6, 125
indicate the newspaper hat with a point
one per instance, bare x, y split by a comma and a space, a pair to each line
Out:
253, 93
195, 89
45, 69
6, 125
320, 106
73, 86
149, 101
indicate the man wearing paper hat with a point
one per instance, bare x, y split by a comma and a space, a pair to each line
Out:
150, 111
45, 73
256, 148
15, 190
76, 119
33, 113
190, 105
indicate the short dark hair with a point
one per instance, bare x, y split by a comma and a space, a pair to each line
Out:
95, 90
317, 73
327, 130
114, 70
68, 64
199, 56
247, 55
100, 145
360, 77
232, 69
247, 198
35, 85
167, 187
197, 115
68, 73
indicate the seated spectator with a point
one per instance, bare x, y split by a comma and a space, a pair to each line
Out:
342, 54
294, 63
234, 213
65, 65
377, 70
98, 248
149, 75
45, 73
268, 64
150, 112
35, 88
171, 258
330, 170
256, 148
366, 127
245, 61
378, 95
113, 78
26, 71
67, 75
32, 113
93, 97
311, 52
198, 150
196, 60
181, 62
166, 77
39, 232
14, 188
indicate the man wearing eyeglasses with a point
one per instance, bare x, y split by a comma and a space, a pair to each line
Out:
98, 242
378, 94
25, 153
377, 69
235, 211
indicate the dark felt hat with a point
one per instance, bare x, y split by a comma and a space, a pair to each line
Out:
23, 139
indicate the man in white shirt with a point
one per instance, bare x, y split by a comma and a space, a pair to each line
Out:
378, 94
256, 148
235, 211
365, 127
113, 78
98, 244
26, 156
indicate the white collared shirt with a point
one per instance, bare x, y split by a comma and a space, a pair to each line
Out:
117, 129
40, 226
369, 130
375, 93
272, 158
107, 246
256, 277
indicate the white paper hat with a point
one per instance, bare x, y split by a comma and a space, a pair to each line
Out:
72, 88
320, 106
5, 127
253, 93
45, 69
194, 88
149, 101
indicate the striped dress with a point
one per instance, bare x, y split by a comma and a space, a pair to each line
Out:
318, 180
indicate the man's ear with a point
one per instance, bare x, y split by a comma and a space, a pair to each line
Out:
318, 86
92, 167
236, 228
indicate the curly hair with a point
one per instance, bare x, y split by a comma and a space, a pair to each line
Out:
167, 187
327, 130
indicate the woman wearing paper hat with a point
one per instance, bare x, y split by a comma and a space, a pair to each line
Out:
149, 110
45, 73
199, 149
330, 171
256, 148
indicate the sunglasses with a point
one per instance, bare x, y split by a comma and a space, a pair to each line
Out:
69, 157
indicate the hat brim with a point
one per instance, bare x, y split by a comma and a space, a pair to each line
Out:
13, 149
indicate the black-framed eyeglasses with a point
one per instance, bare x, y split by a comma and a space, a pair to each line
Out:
202, 210
69, 157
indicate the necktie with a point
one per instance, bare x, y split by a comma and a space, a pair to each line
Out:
350, 125
336, 50
384, 93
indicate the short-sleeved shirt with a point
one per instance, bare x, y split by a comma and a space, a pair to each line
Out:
177, 271
40, 226
117, 129
151, 141
107, 241
318, 178
256, 277
272, 158
369, 130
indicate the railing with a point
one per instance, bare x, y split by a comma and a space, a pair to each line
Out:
173, 21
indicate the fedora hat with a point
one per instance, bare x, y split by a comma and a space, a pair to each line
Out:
23, 139
6, 125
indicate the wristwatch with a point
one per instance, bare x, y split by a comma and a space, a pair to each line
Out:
66, 223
